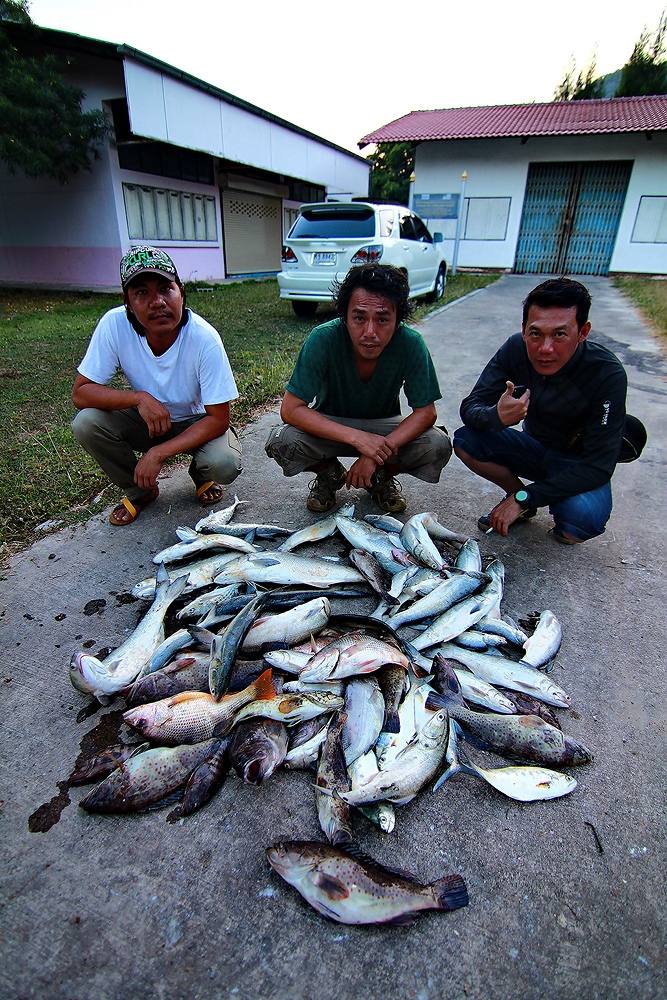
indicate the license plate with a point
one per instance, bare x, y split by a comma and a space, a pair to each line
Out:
324, 258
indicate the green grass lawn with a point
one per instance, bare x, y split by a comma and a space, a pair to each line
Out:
650, 294
44, 475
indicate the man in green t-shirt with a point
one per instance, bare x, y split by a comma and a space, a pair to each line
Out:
342, 398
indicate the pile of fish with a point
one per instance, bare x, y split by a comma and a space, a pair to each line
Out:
263, 674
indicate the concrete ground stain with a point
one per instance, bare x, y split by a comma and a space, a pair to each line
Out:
101, 736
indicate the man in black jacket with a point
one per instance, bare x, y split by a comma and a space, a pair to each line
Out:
570, 395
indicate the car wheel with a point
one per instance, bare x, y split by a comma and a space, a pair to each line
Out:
439, 288
304, 309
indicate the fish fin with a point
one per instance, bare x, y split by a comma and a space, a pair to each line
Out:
392, 722
401, 920
331, 887
265, 560
453, 769
182, 696
264, 687
450, 892
360, 855
139, 749
187, 534
202, 636
435, 701
221, 729
168, 800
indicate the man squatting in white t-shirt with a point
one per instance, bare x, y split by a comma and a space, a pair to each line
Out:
181, 382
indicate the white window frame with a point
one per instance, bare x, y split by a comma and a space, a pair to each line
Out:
485, 239
191, 218
660, 215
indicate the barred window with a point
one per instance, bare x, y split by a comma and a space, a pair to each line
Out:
158, 214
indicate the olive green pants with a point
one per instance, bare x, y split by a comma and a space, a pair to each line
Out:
295, 451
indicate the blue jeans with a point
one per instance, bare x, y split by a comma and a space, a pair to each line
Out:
583, 516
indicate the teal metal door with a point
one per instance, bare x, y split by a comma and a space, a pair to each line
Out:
570, 217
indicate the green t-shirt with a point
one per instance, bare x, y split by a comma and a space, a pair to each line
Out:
325, 372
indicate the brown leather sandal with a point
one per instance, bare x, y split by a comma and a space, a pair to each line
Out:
131, 507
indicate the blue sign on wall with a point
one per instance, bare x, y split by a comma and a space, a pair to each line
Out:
436, 206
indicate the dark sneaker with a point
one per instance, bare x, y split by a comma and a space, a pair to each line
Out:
484, 523
386, 493
322, 496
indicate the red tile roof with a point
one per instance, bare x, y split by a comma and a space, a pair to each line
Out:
615, 114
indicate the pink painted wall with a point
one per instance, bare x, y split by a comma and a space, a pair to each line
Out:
60, 267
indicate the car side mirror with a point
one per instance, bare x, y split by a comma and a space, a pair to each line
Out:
438, 238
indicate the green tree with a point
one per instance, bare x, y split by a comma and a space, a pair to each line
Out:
585, 86
645, 72
393, 163
43, 130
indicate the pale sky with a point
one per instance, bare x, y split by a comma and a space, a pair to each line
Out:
343, 69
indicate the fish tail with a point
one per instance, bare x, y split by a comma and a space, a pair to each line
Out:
264, 686
450, 892
392, 722
453, 769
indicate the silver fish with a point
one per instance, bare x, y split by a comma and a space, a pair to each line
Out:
364, 708
464, 614
219, 518
353, 653
506, 629
252, 531
373, 572
290, 626
475, 689
412, 768
522, 783
324, 528
469, 557
473, 638
199, 606
498, 669
545, 641
196, 575
380, 814
193, 542
129, 660
419, 544
385, 522
363, 536
437, 601
439, 532
358, 890
288, 568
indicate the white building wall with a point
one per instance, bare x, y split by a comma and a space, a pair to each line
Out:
171, 110
64, 235
499, 168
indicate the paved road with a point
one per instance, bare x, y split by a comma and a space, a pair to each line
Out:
566, 897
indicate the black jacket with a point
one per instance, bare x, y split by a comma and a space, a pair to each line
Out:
579, 412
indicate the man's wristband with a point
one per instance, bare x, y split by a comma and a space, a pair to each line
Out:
523, 499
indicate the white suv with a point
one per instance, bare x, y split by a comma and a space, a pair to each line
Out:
330, 237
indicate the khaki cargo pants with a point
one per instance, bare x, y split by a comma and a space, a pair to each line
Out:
111, 438
295, 451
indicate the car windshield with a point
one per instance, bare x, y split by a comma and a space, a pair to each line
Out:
332, 224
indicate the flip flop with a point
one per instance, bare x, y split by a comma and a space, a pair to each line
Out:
204, 488
133, 508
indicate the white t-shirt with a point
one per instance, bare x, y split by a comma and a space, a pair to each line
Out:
192, 374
